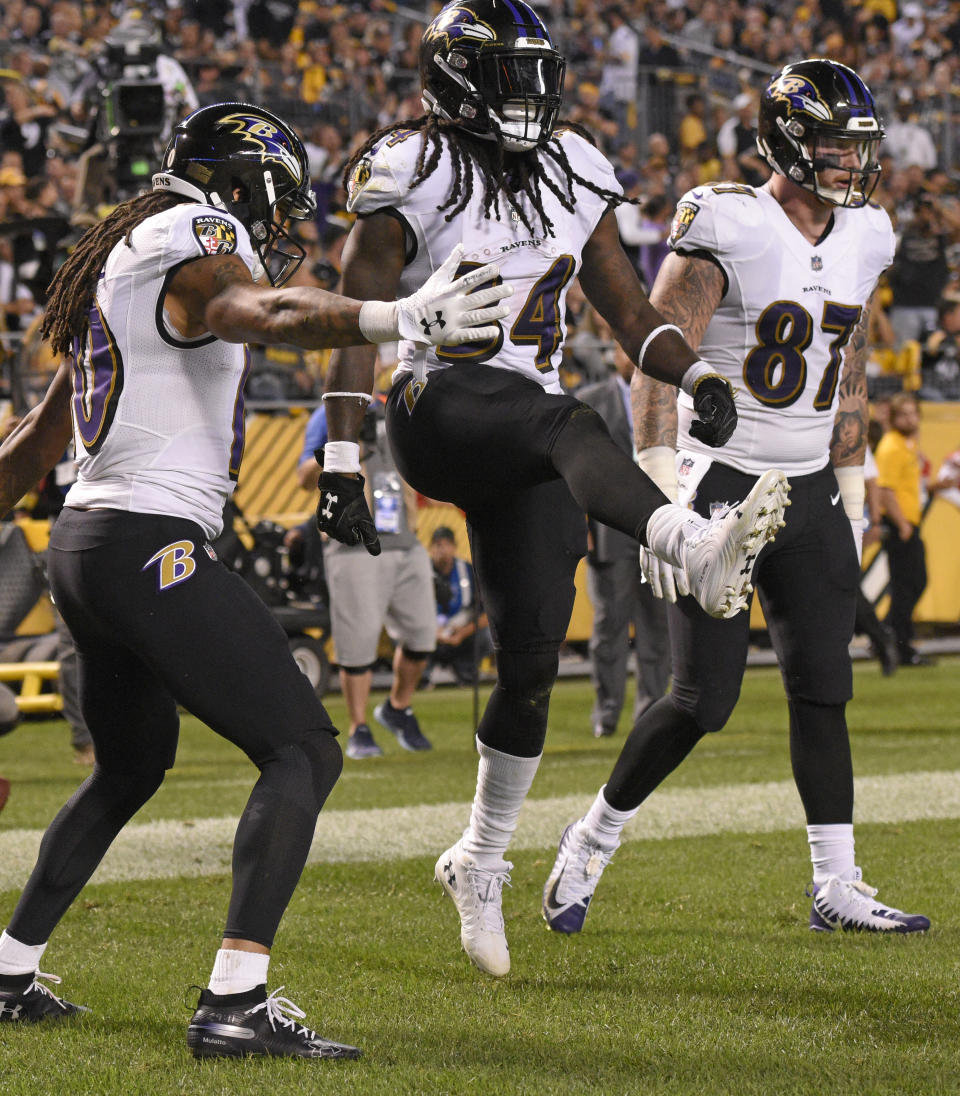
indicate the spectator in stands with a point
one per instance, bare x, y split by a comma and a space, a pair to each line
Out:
463, 635
902, 492
919, 273
615, 583
702, 28
618, 84
909, 28
393, 590
589, 112
737, 143
908, 142
692, 132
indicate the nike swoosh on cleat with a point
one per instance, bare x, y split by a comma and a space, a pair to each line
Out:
551, 903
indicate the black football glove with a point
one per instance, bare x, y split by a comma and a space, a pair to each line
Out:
716, 413
342, 511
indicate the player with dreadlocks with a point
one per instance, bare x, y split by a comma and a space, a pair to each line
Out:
150, 313
487, 425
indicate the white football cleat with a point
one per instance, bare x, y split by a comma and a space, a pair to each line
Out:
570, 886
851, 905
720, 556
477, 892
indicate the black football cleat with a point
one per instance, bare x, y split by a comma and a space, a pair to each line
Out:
34, 1003
255, 1025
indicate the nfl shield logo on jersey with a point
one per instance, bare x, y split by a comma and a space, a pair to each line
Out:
816, 263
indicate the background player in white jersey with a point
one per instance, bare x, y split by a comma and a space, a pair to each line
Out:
774, 285
150, 313
486, 425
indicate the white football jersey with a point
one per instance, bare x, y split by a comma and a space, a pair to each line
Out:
539, 267
789, 309
159, 419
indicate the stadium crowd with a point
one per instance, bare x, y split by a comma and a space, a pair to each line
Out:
668, 89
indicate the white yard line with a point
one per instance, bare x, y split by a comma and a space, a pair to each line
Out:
164, 850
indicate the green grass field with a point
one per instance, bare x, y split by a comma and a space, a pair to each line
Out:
696, 972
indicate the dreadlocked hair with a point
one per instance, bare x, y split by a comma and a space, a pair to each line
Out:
504, 175
71, 292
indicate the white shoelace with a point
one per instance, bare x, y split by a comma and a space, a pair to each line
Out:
488, 886
590, 860
275, 1007
36, 987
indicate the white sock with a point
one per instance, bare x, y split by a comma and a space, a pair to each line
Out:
503, 781
831, 851
603, 824
669, 527
17, 958
238, 971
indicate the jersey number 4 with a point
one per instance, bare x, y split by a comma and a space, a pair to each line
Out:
775, 371
538, 322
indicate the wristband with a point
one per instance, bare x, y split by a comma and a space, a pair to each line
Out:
378, 321
365, 396
341, 456
852, 490
649, 339
697, 372
660, 464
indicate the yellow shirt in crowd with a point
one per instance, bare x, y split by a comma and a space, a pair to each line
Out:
898, 467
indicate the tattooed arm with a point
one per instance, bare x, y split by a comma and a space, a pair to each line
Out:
850, 429
217, 294
687, 292
850, 425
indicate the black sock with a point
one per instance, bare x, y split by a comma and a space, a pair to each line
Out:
247, 997
16, 983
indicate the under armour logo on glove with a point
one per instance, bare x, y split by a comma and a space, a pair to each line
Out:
342, 512
429, 325
452, 310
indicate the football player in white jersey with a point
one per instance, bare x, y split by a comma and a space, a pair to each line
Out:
150, 313
486, 425
773, 285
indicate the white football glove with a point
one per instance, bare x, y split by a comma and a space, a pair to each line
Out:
441, 312
665, 580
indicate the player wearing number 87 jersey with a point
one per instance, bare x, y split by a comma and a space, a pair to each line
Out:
773, 285
486, 425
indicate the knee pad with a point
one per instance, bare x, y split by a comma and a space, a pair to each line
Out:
515, 720
710, 708
125, 789
305, 772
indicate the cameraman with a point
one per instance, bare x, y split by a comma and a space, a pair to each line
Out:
133, 96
